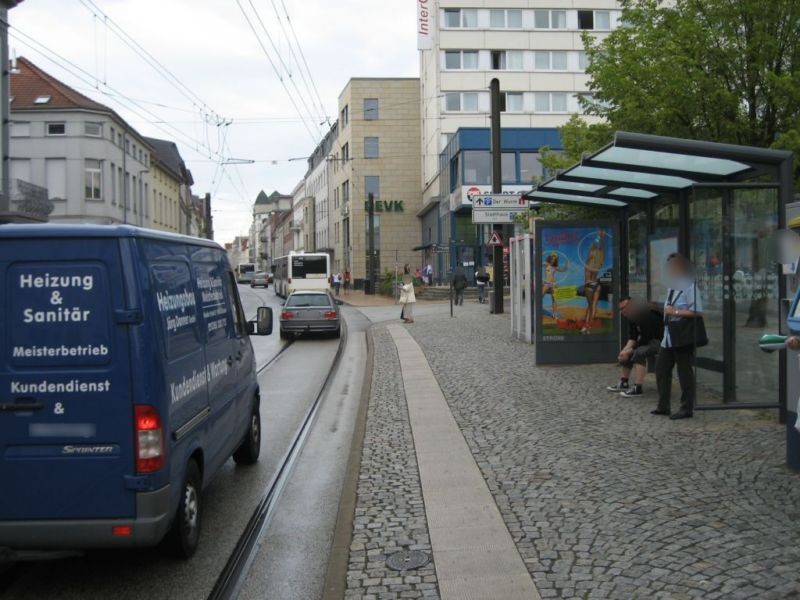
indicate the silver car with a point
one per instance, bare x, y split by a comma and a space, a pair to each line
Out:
310, 312
260, 279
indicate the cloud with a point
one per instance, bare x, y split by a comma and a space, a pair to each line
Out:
210, 48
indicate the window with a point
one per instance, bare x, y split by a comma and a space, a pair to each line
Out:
372, 184
469, 17
558, 61
345, 152
514, 102
42, 100
555, 102
93, 129
507, 60
508, 167
345, 116
456, 59
452, 17
501, 19
113, 184
56, 174
541, 61
239, 320
529, 166
477, 167
113, 136
371, 147
370, 109
92, 180
585, 19
602, 19
550, 19
56, 129
19, 129
345, 192
583, 60
461, 101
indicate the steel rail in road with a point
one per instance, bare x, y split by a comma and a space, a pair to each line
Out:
233, 576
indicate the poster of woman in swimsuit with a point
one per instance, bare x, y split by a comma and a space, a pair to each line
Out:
577, 281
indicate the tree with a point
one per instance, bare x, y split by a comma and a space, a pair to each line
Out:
720, 70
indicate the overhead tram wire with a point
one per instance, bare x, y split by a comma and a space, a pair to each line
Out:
302, 55
151, 60
300, 95
319, 104
275, 69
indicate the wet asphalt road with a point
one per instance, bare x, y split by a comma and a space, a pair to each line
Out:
288, 387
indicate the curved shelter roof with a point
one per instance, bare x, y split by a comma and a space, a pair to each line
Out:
636, 169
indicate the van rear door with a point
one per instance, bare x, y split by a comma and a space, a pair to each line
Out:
66, 423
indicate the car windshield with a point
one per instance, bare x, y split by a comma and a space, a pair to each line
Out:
302, 300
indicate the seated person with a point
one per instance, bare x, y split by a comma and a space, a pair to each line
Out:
644, 338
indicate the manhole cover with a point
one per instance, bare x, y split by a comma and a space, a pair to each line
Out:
406, 560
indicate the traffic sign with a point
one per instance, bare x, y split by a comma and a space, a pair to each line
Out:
483, 217
497, 201
495, 240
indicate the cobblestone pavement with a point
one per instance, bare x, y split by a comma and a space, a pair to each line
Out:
602, 499
390, 514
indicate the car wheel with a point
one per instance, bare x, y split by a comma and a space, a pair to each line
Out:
247, 453
338, 333
188, 518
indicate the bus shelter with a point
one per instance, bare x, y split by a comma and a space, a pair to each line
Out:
718, 204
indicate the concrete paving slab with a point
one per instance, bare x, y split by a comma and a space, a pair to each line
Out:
473, 552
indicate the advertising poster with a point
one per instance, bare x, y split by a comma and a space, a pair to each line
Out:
577, 282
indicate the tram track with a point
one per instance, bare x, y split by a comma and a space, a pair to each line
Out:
232, 578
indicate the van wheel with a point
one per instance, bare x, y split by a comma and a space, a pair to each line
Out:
185, 532
247, 453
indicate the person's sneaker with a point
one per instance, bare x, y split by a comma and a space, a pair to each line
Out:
632, 391
618, 387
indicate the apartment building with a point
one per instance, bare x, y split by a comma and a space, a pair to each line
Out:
320, 167
377, 150
534, 48
91, 165
168, 209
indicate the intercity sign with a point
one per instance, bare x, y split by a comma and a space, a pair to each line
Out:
385, 205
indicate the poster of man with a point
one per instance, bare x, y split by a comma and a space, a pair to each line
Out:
577, 281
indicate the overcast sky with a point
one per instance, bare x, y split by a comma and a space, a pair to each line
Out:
209, 47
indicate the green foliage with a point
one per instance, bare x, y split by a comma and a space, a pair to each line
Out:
386, 283
577, 138
721, 70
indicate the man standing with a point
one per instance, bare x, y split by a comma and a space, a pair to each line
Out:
337, 282
646, 328
459, 285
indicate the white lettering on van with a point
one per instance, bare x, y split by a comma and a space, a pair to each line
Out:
173, 302
47, 281
60, 387
59, 351
187, 386
58, 315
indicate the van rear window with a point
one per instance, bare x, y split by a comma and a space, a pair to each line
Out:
309, 267
59, 314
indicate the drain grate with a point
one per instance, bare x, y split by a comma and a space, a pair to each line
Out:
407, 560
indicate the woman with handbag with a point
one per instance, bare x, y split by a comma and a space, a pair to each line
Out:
407, 299
684, 331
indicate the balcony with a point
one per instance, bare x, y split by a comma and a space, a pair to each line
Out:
29, 199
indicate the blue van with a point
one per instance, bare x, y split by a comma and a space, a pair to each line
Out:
127, 378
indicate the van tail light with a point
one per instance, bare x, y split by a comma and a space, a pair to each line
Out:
287, 315
149, 439
122, 531
330, 314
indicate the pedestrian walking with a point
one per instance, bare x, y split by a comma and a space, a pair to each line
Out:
407, 299
429, 275
337, 282
481, 280
684, 330
459, 285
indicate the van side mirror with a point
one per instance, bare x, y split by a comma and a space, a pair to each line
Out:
264, 321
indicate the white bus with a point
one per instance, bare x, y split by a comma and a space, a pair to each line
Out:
244, 272
301, 271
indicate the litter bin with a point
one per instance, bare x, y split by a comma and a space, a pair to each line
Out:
491, 301
368, 287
